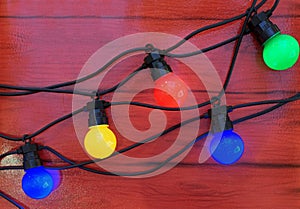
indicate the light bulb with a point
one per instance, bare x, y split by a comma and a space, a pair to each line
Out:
170, 91
100, 142
56, 176
281, 52
226, 147
37, 183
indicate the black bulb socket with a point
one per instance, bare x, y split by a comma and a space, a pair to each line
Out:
220, 120
31, 158
262, 27
158, 66
97, 115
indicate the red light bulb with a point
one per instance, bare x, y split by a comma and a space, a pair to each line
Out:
170, 91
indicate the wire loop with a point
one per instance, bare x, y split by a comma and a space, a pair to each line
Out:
26, 138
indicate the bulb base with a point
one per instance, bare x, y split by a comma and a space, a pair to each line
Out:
220, 120
157, 65
97, 115
262, 27
31, 157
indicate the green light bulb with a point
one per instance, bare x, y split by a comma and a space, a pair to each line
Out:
281, 52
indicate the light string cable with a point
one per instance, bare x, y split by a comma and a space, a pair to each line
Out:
122, 83
46, 127
229, 73
228, 76
167, 51
221, 23
268, 101
278, 103
237, 121
82, 109
172, 128
41, 130
53, 88
257, 114
9, 199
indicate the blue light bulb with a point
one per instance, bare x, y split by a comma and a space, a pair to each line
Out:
227, 147
37, 183
56, 176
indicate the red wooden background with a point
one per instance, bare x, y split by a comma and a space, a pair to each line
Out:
43, 43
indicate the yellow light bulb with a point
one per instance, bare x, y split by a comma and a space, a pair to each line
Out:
100, 142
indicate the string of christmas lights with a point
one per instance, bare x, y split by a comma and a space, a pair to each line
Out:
280, 53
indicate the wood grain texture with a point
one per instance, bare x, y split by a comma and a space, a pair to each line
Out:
46, 43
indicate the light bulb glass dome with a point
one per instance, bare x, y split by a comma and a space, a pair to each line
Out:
281, 52
100, 142
227, 147
37, 183
56, 176
170, 91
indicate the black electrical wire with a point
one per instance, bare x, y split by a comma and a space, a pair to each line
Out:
115, 87
282, 102
8, 154
270, 109
67, 160
228, 75
11, 167
73, 164
270, 11
46, 89
236, 51
38, 89
172, 128
197, 139
239, 38
190, 54
131, 75
87, 77
79, 165
10, 138
65, 117
237, 47
145, 105
140, 104
9, 199
218, 24
32, 90
103, 92
289, 99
